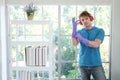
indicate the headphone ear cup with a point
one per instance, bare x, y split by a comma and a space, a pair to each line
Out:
91, 18
81, 23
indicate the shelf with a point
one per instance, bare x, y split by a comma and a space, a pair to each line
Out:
30, 42
31, 68
29, 22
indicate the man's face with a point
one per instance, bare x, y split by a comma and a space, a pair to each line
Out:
85, 21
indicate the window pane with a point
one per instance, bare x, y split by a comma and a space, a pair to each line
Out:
30, 32
105, 49
16, 12
70, 71
103, 18
67, 50
18, 56
106, 68
66, 16
88, 8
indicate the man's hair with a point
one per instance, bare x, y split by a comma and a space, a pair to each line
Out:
84, 13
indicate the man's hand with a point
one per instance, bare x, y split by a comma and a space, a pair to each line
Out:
74, 25
77, 35
82, 39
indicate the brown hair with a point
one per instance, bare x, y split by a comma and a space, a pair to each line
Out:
84, 13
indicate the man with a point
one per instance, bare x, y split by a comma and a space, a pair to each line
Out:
90, 39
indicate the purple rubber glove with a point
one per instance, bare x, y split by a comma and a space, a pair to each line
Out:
82, 39
74, 25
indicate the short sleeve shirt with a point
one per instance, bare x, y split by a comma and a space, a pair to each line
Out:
89, 56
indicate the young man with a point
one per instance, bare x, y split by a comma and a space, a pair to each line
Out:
90, 39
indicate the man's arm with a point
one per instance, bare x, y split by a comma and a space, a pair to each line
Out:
99, 38
74, 41
95, 44
74, 32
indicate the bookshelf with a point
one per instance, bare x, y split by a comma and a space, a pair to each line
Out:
31, 50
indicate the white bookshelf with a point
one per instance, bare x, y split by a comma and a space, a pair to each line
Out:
19, 39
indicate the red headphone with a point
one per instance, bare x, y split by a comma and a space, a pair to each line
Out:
91, 18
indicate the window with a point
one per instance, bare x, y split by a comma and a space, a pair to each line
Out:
66, 56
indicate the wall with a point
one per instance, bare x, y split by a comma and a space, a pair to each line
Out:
3, 42
0, 44
115, 65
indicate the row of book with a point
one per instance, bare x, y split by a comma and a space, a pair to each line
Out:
31, 75
25, 75
36, 56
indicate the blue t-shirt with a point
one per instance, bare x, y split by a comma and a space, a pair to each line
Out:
90, 56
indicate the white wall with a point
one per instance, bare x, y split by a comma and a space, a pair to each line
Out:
3, 42
115, 71
0, 44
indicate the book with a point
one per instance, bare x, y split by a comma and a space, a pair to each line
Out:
36, 56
